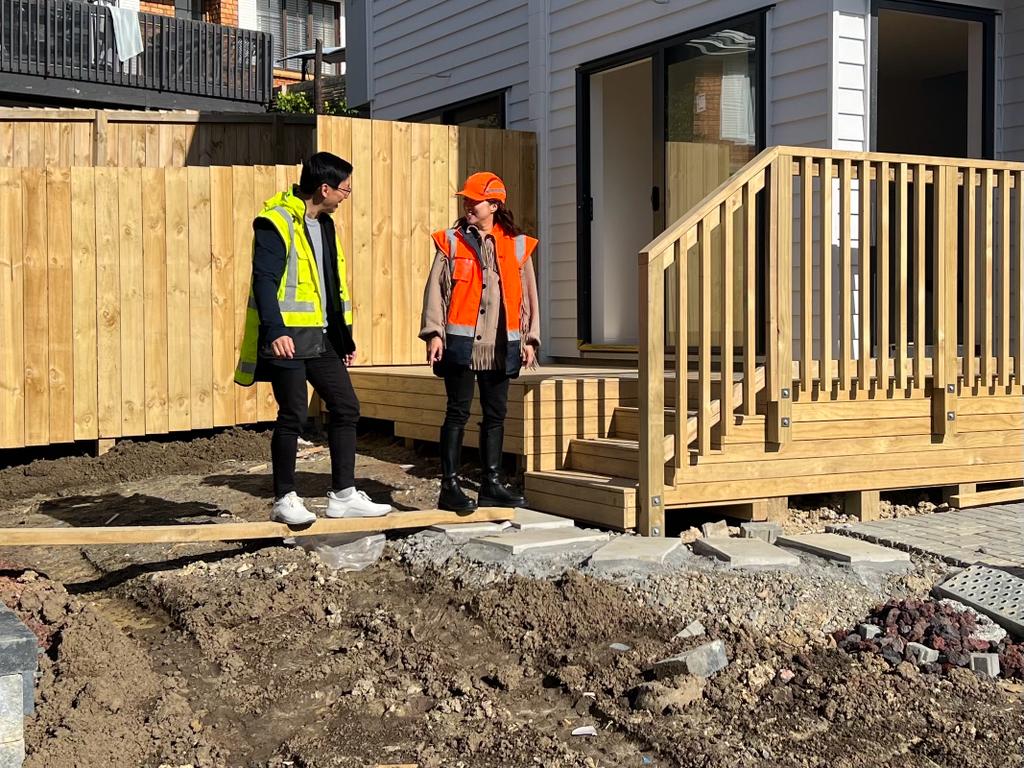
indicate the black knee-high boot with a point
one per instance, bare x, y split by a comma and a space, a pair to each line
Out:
492, 492
452, 498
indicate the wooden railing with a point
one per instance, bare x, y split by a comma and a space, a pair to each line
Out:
71, 40
910, 283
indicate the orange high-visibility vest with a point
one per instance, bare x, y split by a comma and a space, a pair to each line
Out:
465, 266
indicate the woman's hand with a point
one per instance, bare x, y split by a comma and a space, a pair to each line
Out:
435, 349
284, 347
529, 355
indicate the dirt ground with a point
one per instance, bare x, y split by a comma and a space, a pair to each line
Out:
260, 655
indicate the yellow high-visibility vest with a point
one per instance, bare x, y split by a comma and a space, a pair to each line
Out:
300, 294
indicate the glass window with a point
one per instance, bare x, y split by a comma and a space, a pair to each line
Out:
289, 22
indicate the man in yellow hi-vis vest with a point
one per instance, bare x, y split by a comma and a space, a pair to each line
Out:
298, 328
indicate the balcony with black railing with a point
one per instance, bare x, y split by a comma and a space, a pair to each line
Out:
67, 51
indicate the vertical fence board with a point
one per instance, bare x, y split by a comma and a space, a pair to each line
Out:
200, 298
176, 229
381, 243
882, 276
60, 294
35, 308
222, 205
362, 242
987, 297
864, 368
825, 365
404, 310
845, 277
1004, 280
154, 257
421, 253
246, 404
12, 341
133, 346
108, 304
264, 187
83, 268
920, 261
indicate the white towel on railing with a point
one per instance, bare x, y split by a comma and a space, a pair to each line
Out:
127, 33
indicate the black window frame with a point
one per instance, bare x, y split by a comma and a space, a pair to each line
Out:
987, 18
584, 201
448, 114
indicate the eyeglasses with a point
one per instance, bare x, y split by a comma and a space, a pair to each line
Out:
345, 190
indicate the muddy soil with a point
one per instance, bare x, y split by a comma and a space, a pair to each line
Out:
259, 655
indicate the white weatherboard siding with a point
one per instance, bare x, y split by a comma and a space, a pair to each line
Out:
247, 18
1012, 82
427, 55
580, 32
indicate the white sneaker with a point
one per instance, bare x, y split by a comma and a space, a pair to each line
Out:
355, 504
290, 510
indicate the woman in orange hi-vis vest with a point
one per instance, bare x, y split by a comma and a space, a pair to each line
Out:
481, 322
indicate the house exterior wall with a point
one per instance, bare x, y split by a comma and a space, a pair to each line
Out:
818, 84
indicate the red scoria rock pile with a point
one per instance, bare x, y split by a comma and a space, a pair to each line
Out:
940, 625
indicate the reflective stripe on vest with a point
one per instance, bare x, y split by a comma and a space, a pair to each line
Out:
289, 303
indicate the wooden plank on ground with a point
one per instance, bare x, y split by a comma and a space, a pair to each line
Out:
222, 215
60, 293
983, 498
35, 308
154, 290
191, 533
176, 229
133, 321
108, 303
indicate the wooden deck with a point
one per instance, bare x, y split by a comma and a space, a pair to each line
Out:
576, 430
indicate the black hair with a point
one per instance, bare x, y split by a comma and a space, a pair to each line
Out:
323, 168
502, 217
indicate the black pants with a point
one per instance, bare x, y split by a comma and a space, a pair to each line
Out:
458, 383
330, 379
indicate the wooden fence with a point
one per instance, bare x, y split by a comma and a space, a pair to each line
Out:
123, 290
85, 137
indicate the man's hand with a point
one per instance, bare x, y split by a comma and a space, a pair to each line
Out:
435, 349
284, 347
529, 355
349, 359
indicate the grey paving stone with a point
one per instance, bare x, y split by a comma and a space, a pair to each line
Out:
18, 646
626, 549
843, 548
746, 553
532, 520
716, 528
702, 661
922, 654
693, 629
997, 594
12, 711
462, 529
12, 754
765, 531
518, 542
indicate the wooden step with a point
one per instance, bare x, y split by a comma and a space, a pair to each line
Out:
612, 456
626, 422
584, 496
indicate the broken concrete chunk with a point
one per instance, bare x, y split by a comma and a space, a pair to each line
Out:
585, 730
719, 528
922, 654
869, 631
986, 664
620, 647
764, 531
693, 629
702, 661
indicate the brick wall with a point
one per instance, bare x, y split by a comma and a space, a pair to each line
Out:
216, 11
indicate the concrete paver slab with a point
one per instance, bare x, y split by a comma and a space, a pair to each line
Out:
460, 529
997, 594
530, 519
745, 553
625, 549
832, 546
518, 542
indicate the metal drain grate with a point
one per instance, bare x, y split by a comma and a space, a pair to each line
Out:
997, 594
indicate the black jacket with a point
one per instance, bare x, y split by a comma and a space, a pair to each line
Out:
269, 259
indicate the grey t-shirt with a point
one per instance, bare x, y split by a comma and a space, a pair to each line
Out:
316, 239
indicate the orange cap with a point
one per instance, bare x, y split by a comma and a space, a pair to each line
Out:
483, 186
